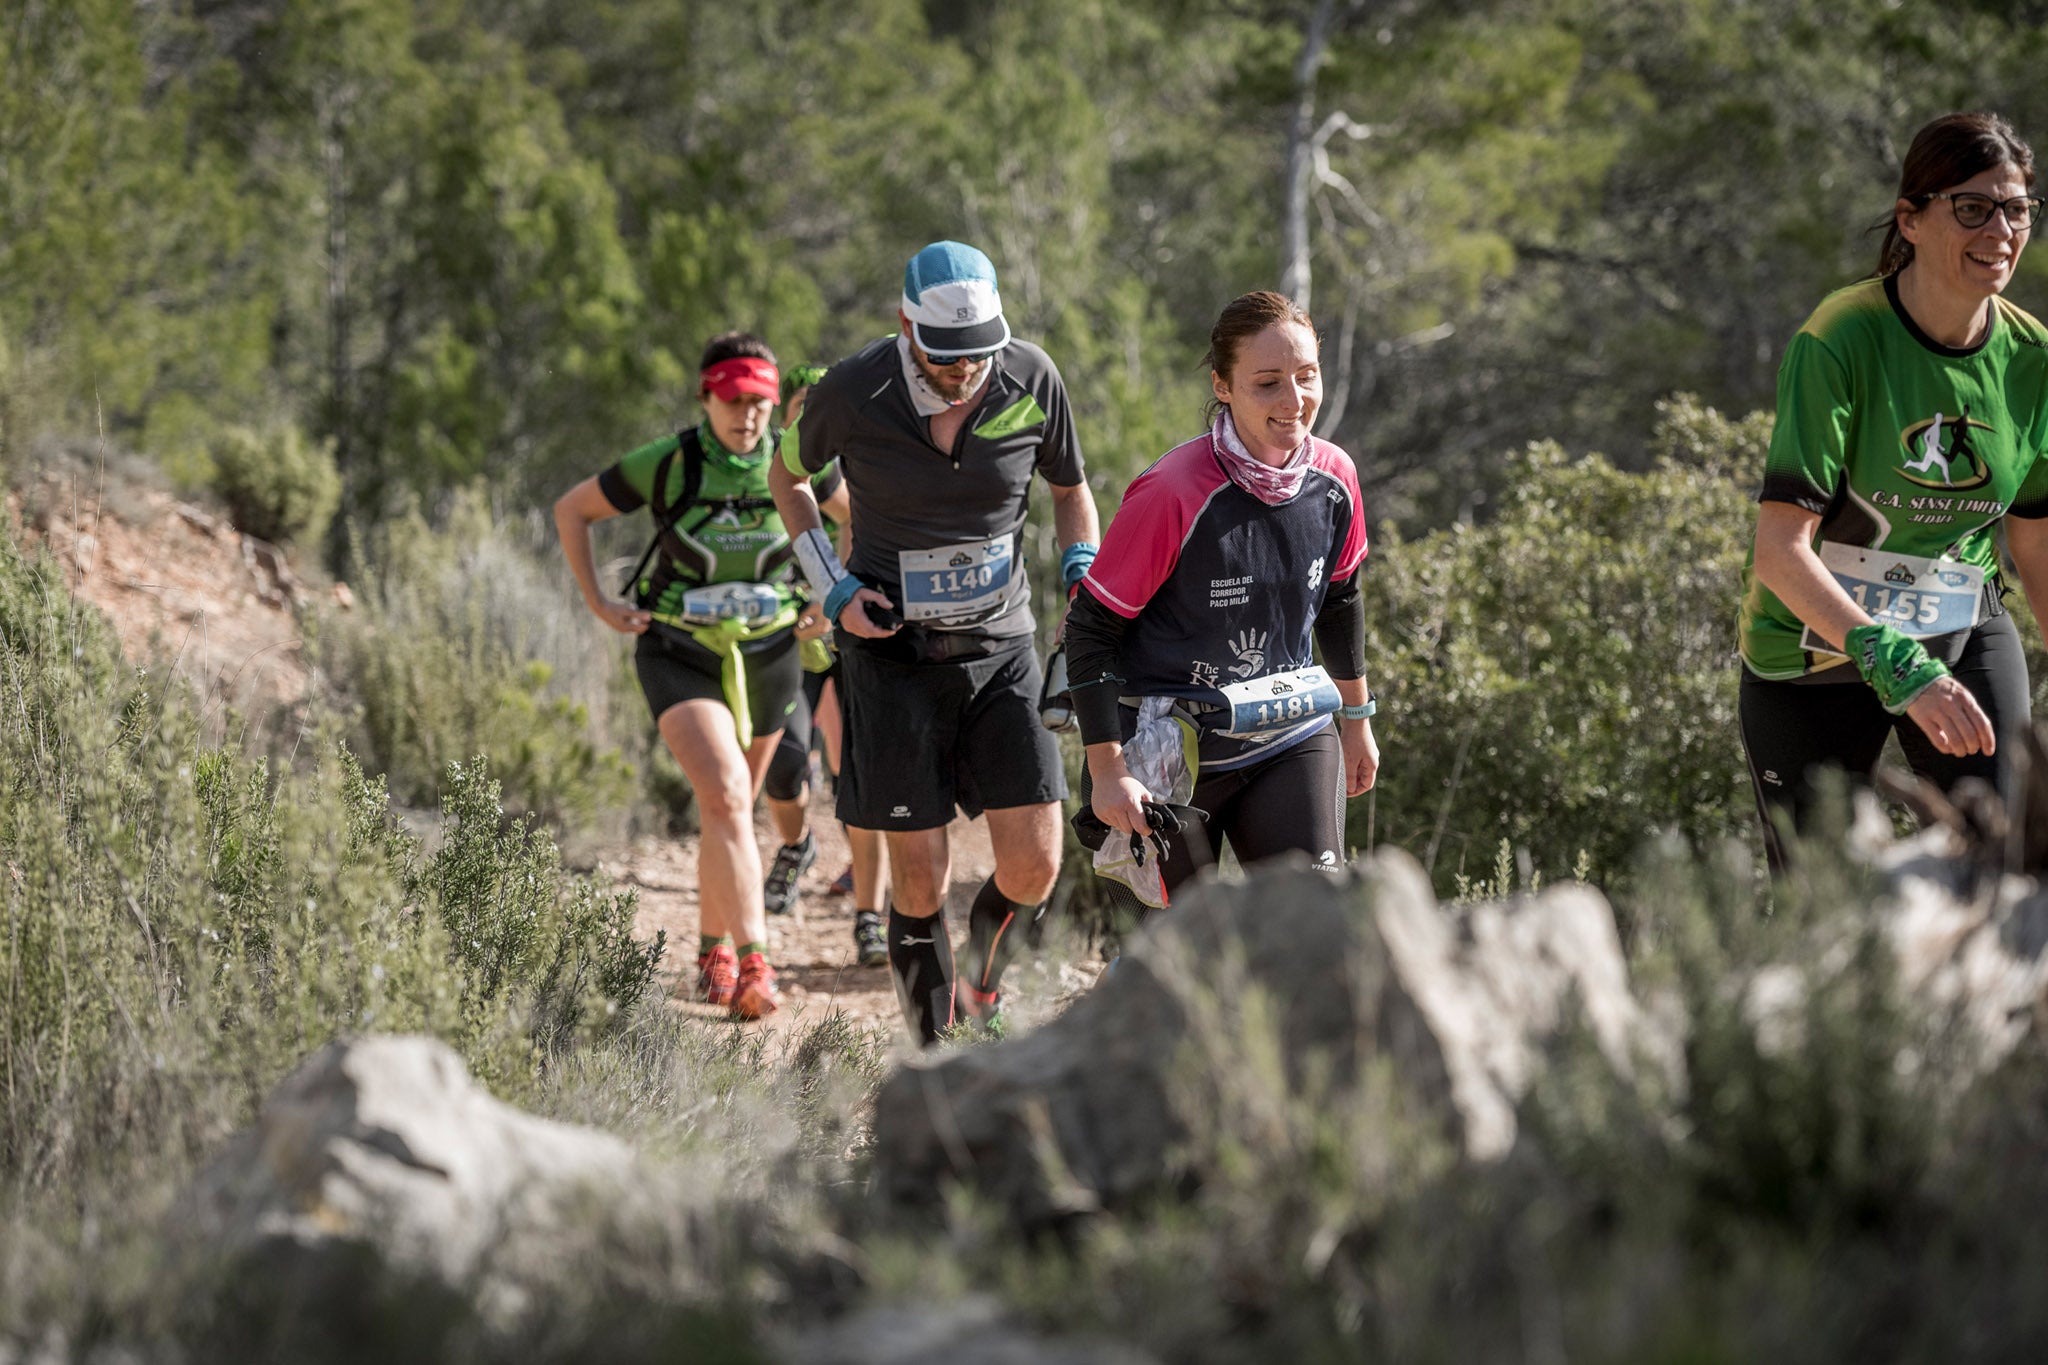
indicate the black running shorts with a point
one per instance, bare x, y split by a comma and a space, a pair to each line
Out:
674, 668
922, 737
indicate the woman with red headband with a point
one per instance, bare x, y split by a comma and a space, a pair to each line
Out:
718, 657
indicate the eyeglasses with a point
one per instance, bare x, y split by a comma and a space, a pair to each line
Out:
1974, 210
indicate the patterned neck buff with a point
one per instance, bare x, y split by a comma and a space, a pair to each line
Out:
733, 459
922, 395
1270, 484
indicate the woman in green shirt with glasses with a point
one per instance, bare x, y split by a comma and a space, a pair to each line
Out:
1912, 415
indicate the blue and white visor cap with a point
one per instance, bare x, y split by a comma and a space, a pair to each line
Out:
949, 295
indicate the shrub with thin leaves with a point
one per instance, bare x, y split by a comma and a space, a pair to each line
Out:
466, 642
518, 925
278, 483
179, 924
1564, 676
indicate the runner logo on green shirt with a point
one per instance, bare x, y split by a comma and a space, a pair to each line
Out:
1924, 444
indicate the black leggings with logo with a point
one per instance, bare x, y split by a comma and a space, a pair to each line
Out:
1291, 802
1792, 730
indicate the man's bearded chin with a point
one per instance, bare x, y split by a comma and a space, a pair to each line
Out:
946, 384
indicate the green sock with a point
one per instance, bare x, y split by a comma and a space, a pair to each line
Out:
706, 942
746, 948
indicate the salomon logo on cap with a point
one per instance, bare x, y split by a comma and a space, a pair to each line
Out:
949, 295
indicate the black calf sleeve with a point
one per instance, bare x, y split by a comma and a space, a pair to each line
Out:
921, 960
992, 928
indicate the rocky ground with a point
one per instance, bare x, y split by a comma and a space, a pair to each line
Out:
180, 583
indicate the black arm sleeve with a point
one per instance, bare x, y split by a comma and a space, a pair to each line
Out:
1340, 629
1095, 636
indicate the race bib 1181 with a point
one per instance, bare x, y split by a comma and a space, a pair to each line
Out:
1279, 701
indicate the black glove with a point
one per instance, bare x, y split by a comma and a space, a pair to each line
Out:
1163, 818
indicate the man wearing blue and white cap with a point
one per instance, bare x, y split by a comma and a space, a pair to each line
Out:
938, 431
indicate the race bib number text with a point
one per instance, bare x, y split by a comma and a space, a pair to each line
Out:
1919, 596
1279, 701
954, 581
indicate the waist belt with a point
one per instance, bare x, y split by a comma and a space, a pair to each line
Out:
913, 643
724, 640
1186, 704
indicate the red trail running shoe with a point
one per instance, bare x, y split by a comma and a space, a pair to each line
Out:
756, 997
718, 975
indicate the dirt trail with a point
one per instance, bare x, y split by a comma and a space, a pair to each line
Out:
812, 947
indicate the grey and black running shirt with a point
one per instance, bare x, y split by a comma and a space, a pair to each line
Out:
909, 495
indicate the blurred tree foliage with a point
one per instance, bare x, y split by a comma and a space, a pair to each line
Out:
481, 241
474, 246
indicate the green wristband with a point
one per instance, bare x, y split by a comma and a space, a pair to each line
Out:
1897, 667
1367, 711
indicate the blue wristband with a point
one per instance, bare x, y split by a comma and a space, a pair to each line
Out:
1365, 711
842, 592
1074, 562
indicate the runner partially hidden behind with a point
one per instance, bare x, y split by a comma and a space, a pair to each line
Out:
715, 609
939, 430
1190, 640
789, 773
1912, 414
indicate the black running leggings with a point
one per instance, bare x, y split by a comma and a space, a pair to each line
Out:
789, 771
1792, 730
1293, 801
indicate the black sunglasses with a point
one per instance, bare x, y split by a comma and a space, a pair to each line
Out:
1974, 210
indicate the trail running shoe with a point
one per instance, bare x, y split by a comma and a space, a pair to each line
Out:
718, 974
842, 885
984, 1010
791, 862
870, 939
756, 997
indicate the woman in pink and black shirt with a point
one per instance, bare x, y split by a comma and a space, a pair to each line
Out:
1233, 556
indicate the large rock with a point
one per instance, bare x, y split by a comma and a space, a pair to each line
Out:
1969, 939
1096, 1107
384, 1150
973, 1329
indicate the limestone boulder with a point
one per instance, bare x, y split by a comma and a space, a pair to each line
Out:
1461, 1002
1970, 943
972, 1329
385, 1149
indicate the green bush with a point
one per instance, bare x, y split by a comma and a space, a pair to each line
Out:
465, 642
179, 924
278, 485
1564, 676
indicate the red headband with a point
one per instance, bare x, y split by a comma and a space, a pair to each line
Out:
728, 379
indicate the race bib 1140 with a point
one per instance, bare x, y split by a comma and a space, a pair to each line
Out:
954, 581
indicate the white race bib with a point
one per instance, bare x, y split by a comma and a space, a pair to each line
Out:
715, 602
1919, 596
1279, 701
954, 581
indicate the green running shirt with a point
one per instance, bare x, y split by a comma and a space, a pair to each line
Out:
718, 544
1899, 443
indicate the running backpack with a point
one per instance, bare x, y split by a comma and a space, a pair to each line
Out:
668, 516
